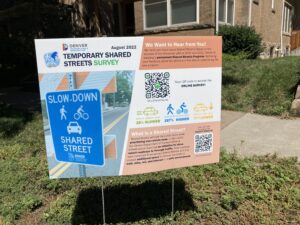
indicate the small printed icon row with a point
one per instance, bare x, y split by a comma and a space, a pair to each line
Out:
182, 109
80, 113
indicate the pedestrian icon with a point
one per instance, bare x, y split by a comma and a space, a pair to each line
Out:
170, 109
80, 113
63, 113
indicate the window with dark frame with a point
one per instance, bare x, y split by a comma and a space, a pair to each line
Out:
159, 13
287, 19
226, 11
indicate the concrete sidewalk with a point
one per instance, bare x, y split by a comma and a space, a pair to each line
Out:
252, 134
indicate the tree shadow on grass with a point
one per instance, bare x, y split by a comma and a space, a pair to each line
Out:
293, 89
227, 80
12, 121
129, 203
231, 80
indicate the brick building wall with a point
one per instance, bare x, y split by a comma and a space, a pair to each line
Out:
187, 32
207, 12
206, 25
241, 12
267, 22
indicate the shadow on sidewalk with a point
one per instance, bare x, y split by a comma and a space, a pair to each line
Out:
129, 203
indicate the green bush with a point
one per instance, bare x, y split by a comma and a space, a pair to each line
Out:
241, 40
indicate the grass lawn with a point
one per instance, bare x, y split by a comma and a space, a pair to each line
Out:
259, 190
260, 86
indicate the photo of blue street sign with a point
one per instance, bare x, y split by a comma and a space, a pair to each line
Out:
75, 119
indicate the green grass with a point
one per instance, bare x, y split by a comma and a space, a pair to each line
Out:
12, 120
259, 190
260, 86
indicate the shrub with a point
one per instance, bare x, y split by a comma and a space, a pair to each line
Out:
239, 40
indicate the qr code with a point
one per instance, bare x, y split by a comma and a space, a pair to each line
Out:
203, 142
157, 85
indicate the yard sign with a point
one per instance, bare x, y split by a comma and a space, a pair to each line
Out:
130, 105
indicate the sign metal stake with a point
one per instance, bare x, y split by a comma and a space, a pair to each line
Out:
103, 205
172, 196
82, 171
72, 86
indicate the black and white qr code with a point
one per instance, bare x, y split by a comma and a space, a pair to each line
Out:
203, 142
157, 85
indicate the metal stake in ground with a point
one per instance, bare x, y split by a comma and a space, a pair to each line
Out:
72, 86
172, 196
103, 205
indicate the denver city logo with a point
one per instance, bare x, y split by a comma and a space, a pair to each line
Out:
77, 47
51, 59
74, 47
65, 47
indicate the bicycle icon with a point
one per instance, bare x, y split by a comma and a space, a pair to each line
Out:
84, 116
81, 114
184, 111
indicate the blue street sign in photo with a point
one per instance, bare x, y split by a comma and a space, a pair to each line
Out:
75, 119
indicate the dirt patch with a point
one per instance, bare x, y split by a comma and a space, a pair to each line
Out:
36, 216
